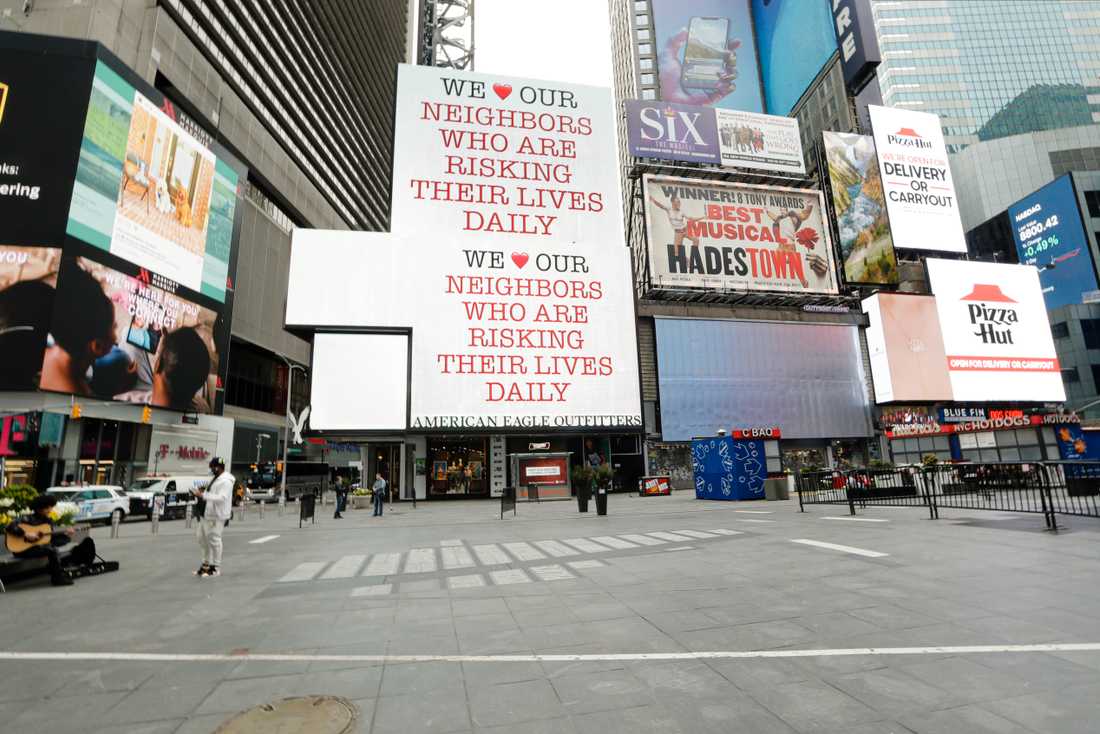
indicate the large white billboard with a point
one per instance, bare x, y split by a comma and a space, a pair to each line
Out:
995, 332
709, 234
360, 382
916, 180
762, 142
506, 259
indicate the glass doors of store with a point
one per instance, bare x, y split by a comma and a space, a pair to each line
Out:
385, 459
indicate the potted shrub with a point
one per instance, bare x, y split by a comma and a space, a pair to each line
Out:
603, 477
583, 476
360, 498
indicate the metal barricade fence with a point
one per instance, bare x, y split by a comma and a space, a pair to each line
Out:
1049, 488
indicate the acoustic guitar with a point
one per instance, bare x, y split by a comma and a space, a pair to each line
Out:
15, 544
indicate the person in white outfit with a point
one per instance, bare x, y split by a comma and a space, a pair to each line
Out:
216, 501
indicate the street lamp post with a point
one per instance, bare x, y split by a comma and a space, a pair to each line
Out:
286, 425
260, 438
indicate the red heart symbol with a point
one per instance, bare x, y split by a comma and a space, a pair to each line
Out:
520, 259
502, 90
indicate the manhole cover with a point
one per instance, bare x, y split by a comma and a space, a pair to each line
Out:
306, 714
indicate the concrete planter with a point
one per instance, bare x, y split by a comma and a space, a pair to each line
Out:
359, 502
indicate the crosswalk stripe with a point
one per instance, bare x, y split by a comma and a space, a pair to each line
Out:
551, 573
345, 568
420, 560
265, 539
556, 549
696, 533
376, 590
509, 576
466, 582
726, 531
304, 571
613, 542
745, 519
585, 546
669, 536
490, 554
456, 557
642, 539
523, 551
593, 563
383, 564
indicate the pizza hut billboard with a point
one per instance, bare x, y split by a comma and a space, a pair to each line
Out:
995, 332
738, 237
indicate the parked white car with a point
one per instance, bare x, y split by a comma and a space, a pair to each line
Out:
177, 493
95, 501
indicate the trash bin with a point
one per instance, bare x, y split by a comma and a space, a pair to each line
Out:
583, 495
776, 489
601, 501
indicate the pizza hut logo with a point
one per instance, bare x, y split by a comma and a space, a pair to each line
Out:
907, 137
989, 312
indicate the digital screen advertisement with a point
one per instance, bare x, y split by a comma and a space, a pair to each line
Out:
1049, 234
149, 192
119, 336
28, 277
706, 53
736, 236
866, 242
796, 39
125, 293
522, 276
916, 180
995, 332
905, 345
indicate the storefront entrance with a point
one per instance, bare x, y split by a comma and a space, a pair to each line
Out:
385, 459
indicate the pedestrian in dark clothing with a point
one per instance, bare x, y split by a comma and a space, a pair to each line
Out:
379, 494
341, 499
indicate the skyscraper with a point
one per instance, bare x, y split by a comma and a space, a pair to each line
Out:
991, 68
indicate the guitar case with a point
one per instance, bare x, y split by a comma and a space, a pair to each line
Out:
95, 568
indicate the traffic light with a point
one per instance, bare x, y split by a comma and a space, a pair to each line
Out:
146, 414
75, 412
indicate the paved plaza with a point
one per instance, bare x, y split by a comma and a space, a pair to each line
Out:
667, 615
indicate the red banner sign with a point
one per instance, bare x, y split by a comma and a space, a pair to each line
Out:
767, 434
991, 424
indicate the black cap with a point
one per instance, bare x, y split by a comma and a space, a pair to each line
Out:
217, 461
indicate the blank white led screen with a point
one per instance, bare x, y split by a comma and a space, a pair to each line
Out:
359, 382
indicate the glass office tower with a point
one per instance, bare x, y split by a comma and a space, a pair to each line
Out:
992, 68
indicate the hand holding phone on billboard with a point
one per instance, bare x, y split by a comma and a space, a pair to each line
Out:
699, 69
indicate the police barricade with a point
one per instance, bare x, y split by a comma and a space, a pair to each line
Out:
507, 501
307, 504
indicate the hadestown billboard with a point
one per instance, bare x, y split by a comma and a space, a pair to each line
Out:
506, 269
984, 336
706, 234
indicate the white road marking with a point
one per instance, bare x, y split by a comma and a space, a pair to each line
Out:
757, 512
345, 568
697, 533
613, 542
725, 531
745, 519
303, 572
456, 557
466, 582
551, 573
523, 551
376, 590
585, 546
680, 548
586, 564
641, 539
420, 560
842, 548
153, 657
265, 539
556, 549
491, 555
509, 576
855, 519
669, 536
449, 543
383, 564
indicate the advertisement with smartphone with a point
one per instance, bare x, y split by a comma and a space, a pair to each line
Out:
707, 53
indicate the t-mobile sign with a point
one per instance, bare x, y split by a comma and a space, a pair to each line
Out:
507, 260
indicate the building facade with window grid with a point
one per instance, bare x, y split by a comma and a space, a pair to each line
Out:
991, 68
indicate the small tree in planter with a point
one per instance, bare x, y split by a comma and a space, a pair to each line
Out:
603, 475
583, 476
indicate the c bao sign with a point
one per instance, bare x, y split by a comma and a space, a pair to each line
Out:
506, 263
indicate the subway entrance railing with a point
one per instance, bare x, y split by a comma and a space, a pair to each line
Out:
1049, 488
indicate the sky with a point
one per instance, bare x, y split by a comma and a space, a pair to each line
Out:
562, 40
